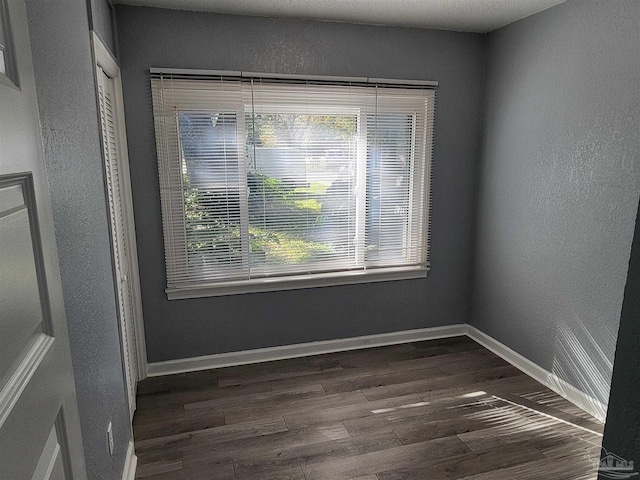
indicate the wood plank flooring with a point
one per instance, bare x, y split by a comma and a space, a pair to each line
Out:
441, 409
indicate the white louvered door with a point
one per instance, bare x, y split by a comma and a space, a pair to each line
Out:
120, 244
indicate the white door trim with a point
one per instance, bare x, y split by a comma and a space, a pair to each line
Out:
105, 61
130, 464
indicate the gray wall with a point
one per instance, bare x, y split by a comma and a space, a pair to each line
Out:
165, 38
622, 431
68, 118
560, 180
102, 21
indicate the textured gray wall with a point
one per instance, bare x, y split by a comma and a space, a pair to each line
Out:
165, 38
622, 431
101, 20
68, 118
560, 185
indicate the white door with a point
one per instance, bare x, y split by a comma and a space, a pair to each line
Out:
120, 217
39, 424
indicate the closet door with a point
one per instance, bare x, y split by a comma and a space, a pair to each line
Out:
122, 253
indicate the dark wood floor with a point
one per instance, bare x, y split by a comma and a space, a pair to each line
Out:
442, 409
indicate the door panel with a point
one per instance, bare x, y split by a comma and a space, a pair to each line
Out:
19, 294
39, 424
119, 239
51, 464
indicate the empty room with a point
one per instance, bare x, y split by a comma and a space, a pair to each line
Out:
367, 240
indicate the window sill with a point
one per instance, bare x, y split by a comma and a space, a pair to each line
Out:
296, 282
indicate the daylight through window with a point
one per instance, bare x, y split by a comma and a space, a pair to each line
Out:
274, 184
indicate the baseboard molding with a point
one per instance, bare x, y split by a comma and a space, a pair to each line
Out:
301, 350
130, 464
582, 400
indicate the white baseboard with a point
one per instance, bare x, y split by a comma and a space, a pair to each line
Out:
584, 401
130, 463
301, 350
587, 403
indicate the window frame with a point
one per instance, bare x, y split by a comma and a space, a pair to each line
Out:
167, 165
9, 77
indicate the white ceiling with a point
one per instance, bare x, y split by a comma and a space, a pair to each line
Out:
460, 15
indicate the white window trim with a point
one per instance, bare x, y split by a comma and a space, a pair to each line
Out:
200, 289
295, 282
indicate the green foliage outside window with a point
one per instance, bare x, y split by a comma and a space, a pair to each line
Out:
215, 238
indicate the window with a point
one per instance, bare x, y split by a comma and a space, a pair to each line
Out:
271, 183
8, 68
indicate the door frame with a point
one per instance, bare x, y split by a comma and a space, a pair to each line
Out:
103, 59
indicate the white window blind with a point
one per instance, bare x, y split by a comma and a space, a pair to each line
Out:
270, 183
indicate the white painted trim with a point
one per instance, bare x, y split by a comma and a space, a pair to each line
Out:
104, 60
130, 464
582, 400
295, 282
103, 57
301, 350
22, 375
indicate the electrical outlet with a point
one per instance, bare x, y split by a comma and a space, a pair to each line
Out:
110, 437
